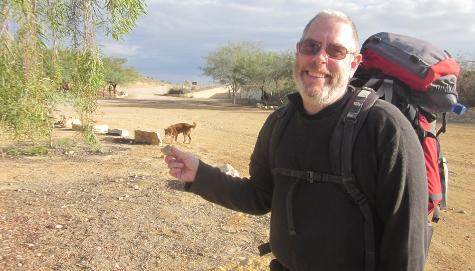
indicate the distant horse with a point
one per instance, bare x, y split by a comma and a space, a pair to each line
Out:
111, 88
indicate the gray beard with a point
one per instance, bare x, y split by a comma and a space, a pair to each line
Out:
326, 95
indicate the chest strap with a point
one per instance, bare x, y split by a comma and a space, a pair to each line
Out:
349, 186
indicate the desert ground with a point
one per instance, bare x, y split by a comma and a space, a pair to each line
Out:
118, 209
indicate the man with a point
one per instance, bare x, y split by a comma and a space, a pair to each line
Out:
318, 227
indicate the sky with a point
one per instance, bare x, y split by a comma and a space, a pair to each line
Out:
173, 39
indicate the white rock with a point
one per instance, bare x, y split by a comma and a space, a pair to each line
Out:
228, 169
118, 132
100, 129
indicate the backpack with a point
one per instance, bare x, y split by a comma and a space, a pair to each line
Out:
419, 79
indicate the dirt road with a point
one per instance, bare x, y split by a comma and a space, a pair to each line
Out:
119, 209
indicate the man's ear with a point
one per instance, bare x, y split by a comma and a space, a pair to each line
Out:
355, 62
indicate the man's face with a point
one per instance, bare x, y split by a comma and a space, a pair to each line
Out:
321, 79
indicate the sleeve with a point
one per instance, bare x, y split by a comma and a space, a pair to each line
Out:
250, 195
401, 196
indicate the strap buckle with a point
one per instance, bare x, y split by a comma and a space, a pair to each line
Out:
310, 176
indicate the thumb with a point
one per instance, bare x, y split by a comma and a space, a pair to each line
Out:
177, 153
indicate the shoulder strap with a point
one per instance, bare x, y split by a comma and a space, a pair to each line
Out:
347, 128
341, 150
283, 116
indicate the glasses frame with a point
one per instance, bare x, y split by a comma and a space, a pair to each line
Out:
330, 53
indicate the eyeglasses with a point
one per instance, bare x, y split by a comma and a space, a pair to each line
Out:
311, 47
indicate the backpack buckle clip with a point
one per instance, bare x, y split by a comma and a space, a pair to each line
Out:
310, 176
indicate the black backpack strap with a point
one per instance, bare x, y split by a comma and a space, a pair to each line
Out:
302, 175
282, 119
343, 140
283, 116
347, 128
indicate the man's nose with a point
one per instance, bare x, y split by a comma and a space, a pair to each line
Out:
321, 56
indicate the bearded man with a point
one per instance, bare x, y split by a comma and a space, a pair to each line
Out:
315, 225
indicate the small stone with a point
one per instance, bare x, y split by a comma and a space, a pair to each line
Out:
461, 212
20, 264
167, 150
99, 248
121, 198
59, 226
30, 245
136, 187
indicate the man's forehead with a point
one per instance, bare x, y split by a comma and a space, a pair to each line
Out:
334, 28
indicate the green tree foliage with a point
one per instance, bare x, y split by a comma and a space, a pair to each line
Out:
466, 87
34, 65
227, 65
115, 71
247, 67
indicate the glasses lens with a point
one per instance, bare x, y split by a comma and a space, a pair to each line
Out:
336, 51
312, 47
309, 47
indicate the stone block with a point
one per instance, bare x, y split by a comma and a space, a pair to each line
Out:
148, 137
100, 128
118, 132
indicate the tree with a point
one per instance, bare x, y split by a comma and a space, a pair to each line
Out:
114, 70
227, 65
466, 87
246, 67
31, 73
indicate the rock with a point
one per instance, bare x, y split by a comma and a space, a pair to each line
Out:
76, 127
118, 132
100, 128
122, 94
228, 169
148, 137
167, 150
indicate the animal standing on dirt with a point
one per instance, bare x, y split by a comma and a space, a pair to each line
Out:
344, 195
111, 88
180, 128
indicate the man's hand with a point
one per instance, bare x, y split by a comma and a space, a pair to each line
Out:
183, 166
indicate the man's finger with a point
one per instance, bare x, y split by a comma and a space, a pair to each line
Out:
176, 172
177, 153
169, 159
176, 165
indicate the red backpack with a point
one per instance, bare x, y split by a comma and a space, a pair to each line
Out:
420, 79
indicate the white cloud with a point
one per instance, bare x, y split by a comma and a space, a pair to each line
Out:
178, 34
117, 49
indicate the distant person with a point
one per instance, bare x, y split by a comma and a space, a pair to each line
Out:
317, 226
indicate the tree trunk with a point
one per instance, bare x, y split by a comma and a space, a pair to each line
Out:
88, 25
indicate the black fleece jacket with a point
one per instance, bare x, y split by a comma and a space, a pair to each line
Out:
388, 165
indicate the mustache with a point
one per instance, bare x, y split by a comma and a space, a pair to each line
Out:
318, 69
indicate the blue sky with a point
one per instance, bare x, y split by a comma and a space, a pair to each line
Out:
172, 40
